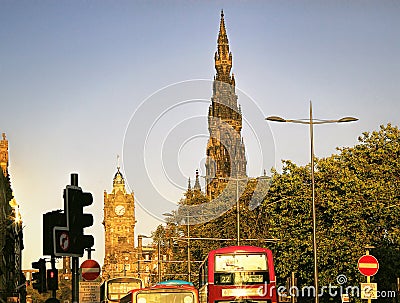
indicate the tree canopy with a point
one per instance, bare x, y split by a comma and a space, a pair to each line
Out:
357, 193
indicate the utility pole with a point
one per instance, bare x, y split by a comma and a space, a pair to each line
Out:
188, 246
75, 260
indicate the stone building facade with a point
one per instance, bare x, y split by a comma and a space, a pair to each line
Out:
12, 280
4, 154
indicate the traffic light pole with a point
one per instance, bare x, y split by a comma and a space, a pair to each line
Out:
75, 260
63, 235
75, 279
53, 266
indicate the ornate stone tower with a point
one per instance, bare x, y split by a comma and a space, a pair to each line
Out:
226, 159
119, 225
4, 154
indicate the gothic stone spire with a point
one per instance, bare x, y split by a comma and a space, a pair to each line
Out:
225, 148
197, 182
223, 58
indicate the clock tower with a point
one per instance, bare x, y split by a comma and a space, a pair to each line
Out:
120, 257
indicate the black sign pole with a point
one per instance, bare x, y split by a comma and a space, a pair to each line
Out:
75, 260
53, 266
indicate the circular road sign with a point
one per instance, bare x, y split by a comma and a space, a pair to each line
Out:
368, 265
64, 241
90, 270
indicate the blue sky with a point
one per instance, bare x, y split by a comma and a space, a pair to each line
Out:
80, 81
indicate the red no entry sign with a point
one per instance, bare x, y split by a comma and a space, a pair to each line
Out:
90, 270
368, 265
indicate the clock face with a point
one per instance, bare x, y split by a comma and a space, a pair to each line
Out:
119, 210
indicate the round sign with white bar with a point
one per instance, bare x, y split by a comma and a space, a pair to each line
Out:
90, 270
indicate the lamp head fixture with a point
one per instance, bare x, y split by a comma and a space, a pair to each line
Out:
275, 119
347, 119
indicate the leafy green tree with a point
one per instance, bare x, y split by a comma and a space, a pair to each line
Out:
64, 292
215, 233
357, 204
357, 193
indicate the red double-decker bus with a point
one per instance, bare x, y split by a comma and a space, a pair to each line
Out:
238, 274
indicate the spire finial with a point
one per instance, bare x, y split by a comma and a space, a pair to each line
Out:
197, 182
223, 57
118, 181
118, 166
189, 185
222, 30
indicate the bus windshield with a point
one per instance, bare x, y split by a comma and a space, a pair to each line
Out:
165, 297
119, 288
240, 262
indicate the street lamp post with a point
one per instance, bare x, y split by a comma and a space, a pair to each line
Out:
188, 246
159, 260
237, 206
237, 212
237, 202
311, 121
188, 242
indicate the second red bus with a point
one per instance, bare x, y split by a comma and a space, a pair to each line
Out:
238, 273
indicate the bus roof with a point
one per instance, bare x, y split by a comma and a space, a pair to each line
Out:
175, 282
239, 249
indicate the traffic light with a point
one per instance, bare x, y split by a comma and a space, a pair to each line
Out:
75, 200
51, 220
39, 278
52, 279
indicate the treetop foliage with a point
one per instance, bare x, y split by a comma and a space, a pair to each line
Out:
357, 193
